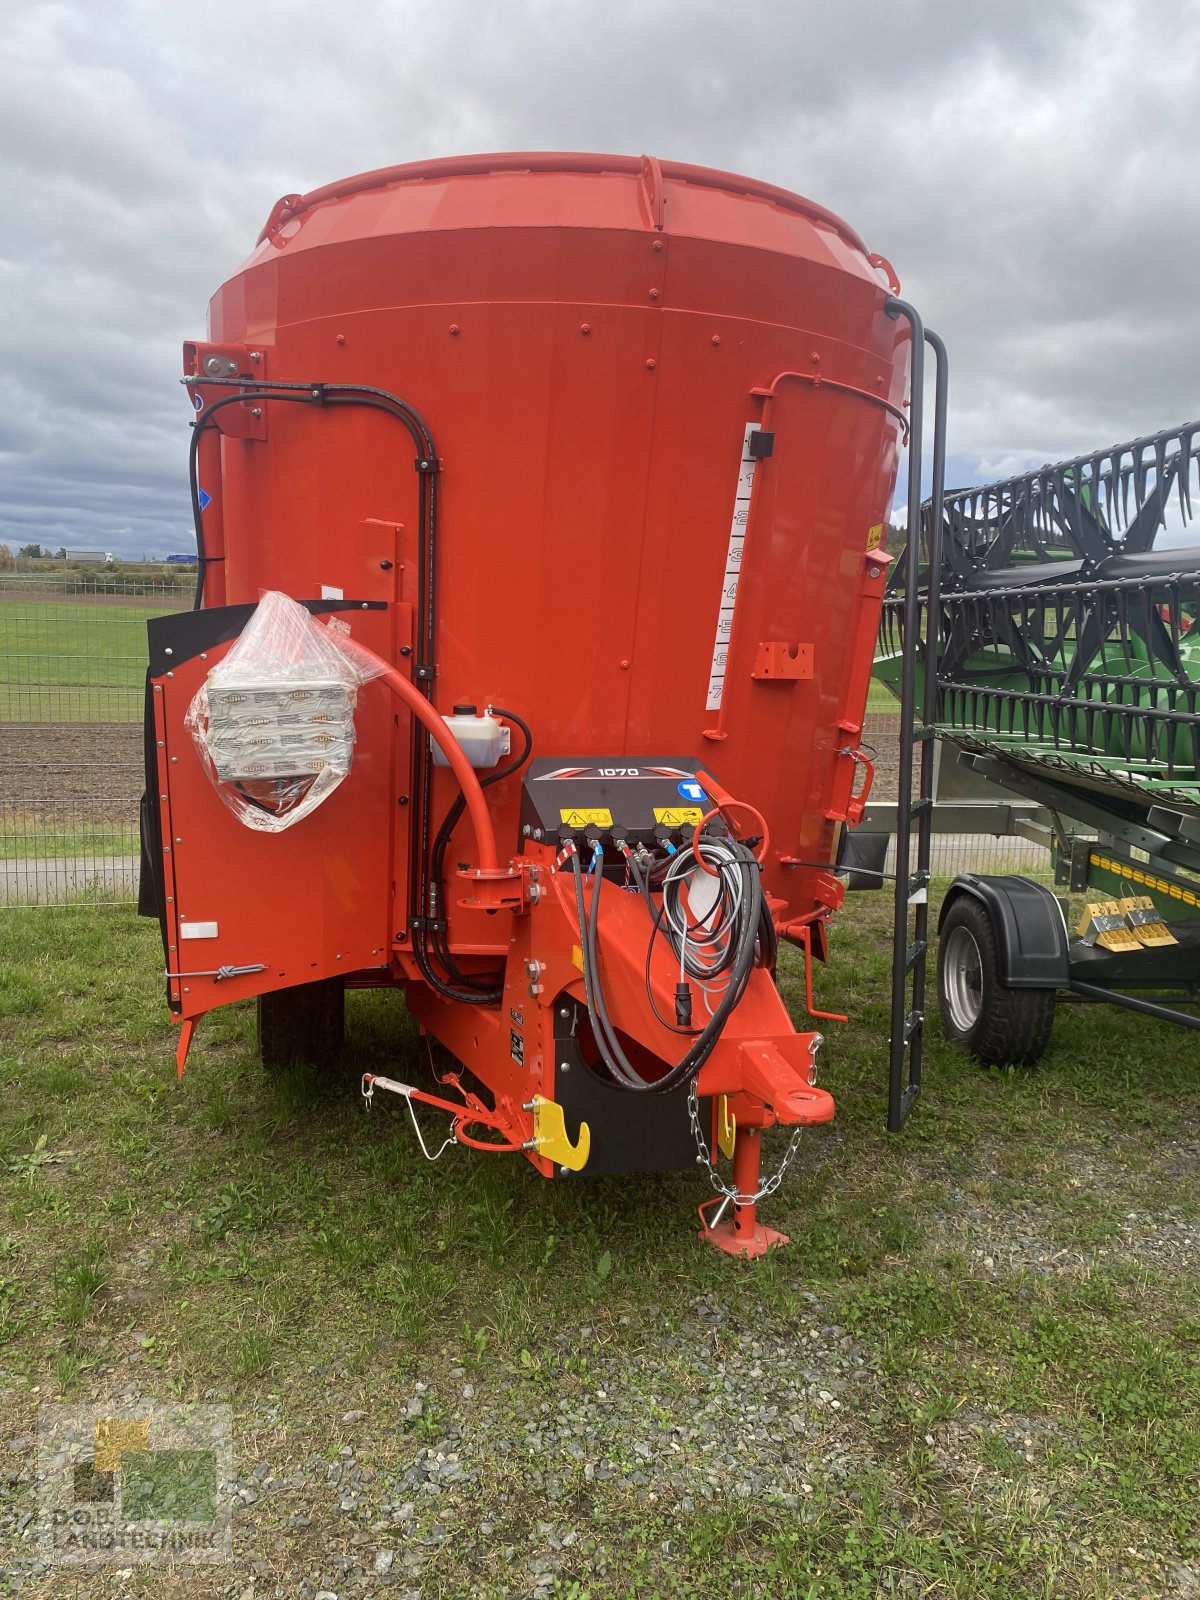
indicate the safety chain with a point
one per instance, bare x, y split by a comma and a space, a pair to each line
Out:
368, 1094
730, 1191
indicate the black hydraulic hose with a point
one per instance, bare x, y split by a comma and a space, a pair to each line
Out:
441, 843
198, 428
622, 1072
768, 937
461, 997
700, 1050
309, 394
427, 464
459, 805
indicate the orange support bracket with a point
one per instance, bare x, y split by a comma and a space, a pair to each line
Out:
187, 1029
804, 936
778, 661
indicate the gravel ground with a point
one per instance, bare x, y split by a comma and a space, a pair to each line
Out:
691, 1409
1027, 1235
684, 1409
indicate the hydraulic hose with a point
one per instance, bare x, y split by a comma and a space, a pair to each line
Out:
428, 464
687, 1068
473, 985
472, 790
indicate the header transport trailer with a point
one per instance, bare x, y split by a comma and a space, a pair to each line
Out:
539, 502
1059, 616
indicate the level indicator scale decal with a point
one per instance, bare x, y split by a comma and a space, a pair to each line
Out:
733, 568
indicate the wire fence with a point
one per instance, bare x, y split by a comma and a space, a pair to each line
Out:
949, 853
72, 686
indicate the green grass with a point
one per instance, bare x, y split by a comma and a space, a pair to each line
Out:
260, 1242
26, 837
68, 660
73, 660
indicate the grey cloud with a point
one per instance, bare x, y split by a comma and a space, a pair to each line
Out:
1027, 167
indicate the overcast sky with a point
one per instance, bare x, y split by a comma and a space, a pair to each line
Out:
1029, 168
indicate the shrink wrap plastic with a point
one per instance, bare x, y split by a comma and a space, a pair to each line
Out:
274, 720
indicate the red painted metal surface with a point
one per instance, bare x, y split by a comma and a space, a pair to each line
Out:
589, 338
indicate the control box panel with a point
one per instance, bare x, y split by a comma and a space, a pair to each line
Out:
639, 800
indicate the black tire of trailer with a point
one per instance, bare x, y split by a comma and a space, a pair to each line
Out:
302, 1026
999, 1025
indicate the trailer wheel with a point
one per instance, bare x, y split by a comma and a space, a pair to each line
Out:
302, 1025
1001, 1027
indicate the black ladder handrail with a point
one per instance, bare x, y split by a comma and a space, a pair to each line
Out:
909, 957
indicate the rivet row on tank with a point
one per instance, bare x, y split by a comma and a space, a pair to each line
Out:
716, 339
654, 294
340, 339
585, 327
455, 330
651, 364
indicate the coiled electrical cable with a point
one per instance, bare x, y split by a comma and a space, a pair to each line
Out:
738, 910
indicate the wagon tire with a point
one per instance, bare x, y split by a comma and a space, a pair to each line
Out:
304, 1025
1000, 1026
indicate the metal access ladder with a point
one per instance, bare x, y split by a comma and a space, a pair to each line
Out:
914, 812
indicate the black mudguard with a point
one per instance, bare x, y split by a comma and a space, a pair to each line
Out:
1030, 930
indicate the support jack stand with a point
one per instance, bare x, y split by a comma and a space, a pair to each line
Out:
741, 1233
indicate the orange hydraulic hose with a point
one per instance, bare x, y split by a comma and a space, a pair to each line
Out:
481, 817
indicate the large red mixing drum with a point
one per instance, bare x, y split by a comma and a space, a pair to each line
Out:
594, 454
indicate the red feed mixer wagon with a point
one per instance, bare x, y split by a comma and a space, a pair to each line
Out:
539, 503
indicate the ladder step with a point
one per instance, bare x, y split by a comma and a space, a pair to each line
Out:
914, 1023
915, 952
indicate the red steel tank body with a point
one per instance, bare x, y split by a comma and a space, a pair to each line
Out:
606, 444
589, 338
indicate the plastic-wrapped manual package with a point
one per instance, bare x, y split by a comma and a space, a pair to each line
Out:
274, 721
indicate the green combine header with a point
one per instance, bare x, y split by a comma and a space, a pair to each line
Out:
1051, 625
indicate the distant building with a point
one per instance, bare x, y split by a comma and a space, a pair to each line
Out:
98, 558
182, 561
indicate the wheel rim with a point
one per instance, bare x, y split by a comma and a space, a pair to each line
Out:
962, 979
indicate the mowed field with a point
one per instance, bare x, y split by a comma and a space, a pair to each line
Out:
975, 1371
72, 674
72, 671
74, 659
83, 660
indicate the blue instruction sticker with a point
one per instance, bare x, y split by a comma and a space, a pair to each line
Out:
691, 790
204, 498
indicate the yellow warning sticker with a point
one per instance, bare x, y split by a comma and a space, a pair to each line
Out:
583, 817
875, 536
677, 816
